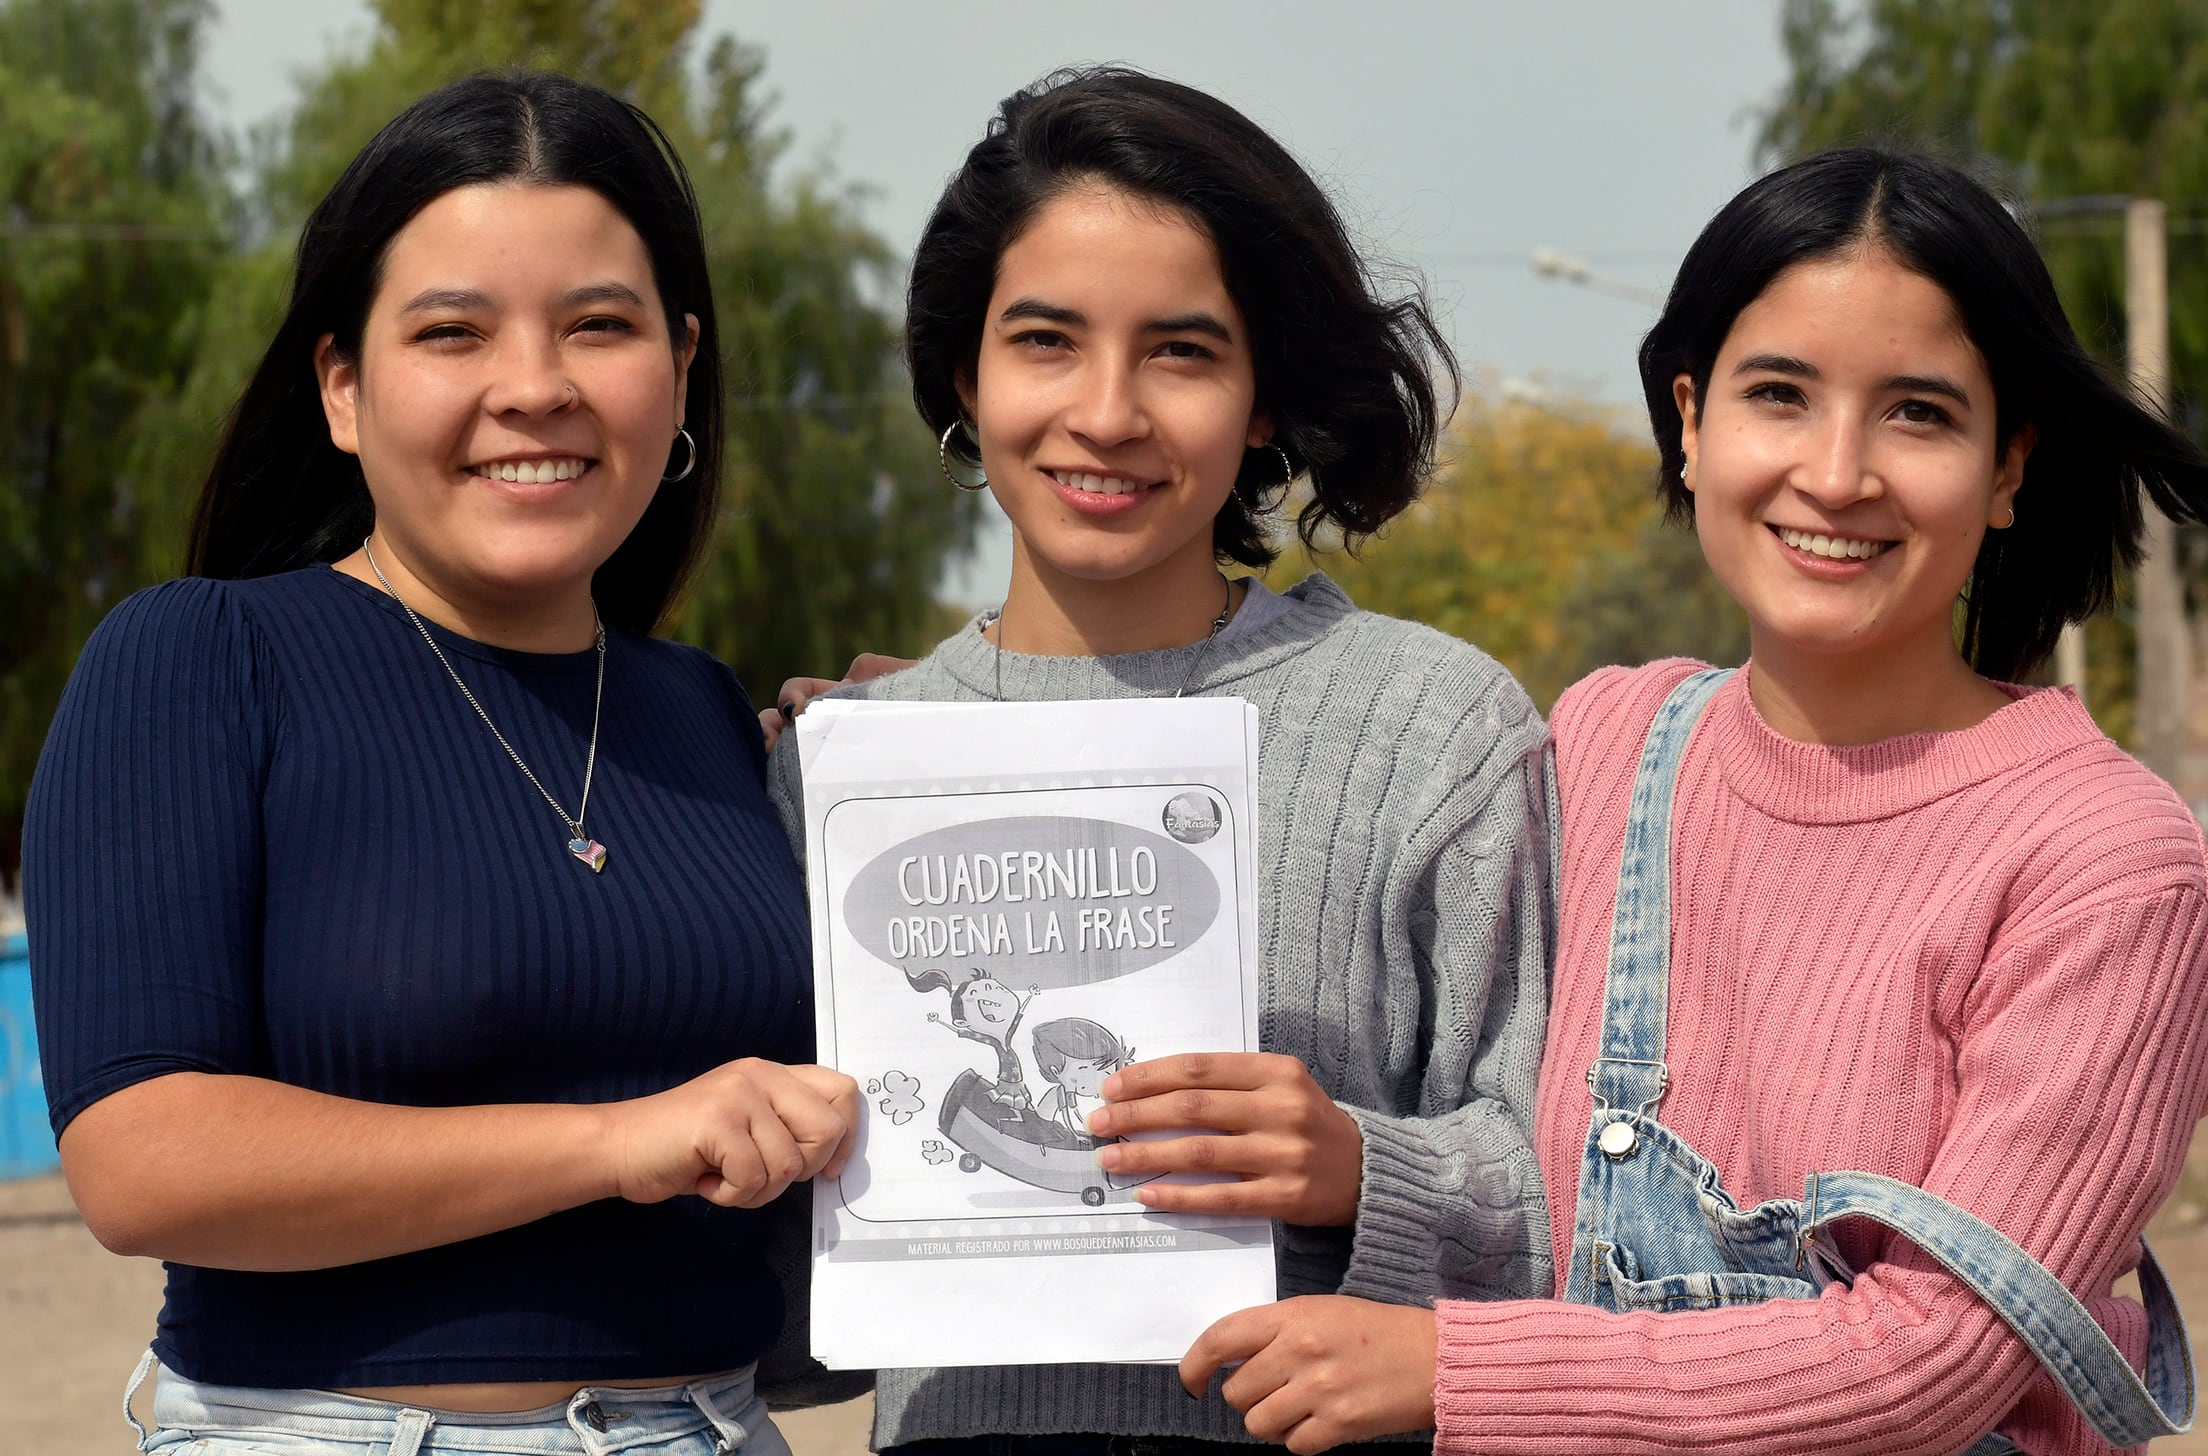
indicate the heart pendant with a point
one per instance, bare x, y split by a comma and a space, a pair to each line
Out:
590, 852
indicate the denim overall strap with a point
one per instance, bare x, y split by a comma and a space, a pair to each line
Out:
2046, 1316
1629, 1071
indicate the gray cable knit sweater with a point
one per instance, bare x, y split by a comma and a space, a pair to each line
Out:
1404, 926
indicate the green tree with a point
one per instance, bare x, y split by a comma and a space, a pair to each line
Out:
112, 213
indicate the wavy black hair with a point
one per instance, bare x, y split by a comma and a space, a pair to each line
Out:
2099, 454
280, 495
1353, 380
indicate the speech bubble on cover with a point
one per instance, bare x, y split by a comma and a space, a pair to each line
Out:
1050, 901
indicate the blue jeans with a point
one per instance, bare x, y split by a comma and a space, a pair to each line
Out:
718, 1416
1655, 1229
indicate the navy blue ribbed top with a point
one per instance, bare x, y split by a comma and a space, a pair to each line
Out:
268, 836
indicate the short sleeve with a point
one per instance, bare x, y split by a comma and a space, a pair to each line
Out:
142, 850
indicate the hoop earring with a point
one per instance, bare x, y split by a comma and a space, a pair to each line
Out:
1287, 468
688, 465
943, 459
2012, 518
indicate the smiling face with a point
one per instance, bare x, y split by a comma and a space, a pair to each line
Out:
514, 401
1114, 394
1086, 1079
987, 1005
1844, 464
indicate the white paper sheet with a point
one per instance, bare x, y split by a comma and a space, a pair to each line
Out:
1008, 900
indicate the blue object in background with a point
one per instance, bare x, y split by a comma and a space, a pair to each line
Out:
26, 1138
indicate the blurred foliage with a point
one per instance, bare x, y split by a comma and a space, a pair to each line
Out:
1541, 540
121, 354
112, 214
2058, 103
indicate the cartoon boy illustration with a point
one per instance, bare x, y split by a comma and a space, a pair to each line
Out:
986, 1010
1075, 1055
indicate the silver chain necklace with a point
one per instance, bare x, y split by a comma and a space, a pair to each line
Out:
1218, 625
579, 844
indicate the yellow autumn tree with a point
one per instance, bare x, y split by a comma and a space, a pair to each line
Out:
1540, 540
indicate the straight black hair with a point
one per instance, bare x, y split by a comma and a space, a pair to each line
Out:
281, 496
1349, 377
2099, 452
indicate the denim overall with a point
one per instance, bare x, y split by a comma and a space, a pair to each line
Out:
1655, 1229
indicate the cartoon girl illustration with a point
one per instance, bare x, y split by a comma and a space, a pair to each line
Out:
986, 1010
1075, 1055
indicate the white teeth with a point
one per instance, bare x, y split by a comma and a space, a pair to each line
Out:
1081, 480
1836, 548
533, 472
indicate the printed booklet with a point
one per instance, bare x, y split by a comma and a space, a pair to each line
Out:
1010, 901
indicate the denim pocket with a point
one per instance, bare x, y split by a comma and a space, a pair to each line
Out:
1704, 1291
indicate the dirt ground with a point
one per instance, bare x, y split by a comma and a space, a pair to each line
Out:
73, 1319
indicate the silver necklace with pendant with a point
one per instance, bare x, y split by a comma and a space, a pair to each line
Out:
1218, 625
579, 844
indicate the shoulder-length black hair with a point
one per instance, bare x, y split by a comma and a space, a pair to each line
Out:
281, 496
2098, 451
1349, 377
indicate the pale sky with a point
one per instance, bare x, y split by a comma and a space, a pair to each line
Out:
1457, 137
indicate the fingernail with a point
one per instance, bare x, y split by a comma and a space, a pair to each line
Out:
1100, 1121
1109, 1157
788, 710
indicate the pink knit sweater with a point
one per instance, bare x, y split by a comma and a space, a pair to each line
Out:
1976, 961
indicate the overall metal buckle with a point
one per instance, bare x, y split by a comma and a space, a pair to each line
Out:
1806, 1232
1619, 1140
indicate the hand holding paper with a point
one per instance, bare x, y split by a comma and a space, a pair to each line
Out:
737, 1136
1257, 1114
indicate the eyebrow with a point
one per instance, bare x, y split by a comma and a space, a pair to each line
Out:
601, 293
1929, 384
1803, 369
1197, 322
468, 299
1777, 364
456, 299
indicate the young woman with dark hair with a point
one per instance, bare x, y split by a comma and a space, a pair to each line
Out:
420, 970
1861, 922
1141, 319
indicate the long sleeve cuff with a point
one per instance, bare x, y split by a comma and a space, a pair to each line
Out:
1448, 1208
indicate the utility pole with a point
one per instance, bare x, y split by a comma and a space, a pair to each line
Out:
2163, 664
2070, 658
